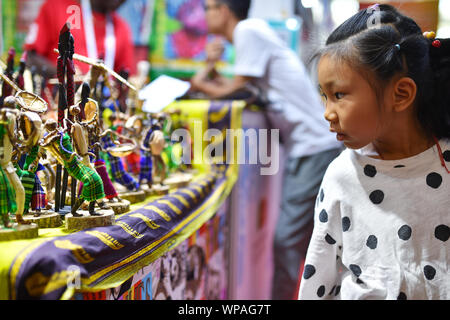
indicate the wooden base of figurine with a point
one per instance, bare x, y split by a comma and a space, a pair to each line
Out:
87, 221
148, 190
160, 190
46, 219
133, 196
178, 180
190, 171
120, 206
19, 232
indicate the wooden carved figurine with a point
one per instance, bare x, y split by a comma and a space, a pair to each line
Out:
12, 197
57, 142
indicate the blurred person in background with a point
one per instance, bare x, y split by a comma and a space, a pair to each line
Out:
99, 32
262, 59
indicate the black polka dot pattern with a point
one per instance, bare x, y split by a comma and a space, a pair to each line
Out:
332, 290
308, 271
338, 289
446, 155
376, 196
321, 291
429, 272
401, 296
442, 232
370, 171
322, 195
329, 239
399, 166
372, 242
323, 216
404, 232
355, 269
345, 223
434, 180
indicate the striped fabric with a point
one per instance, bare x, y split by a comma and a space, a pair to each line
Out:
28, 180
132, 163
7, 195
34, 193
92, 183
38, 198
108, 187
119, 174
145, 172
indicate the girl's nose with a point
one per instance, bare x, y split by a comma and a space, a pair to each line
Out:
330, 115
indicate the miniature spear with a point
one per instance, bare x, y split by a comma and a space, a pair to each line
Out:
65, 71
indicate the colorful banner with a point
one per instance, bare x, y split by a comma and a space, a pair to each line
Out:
252, 222
178, 38
17, 16
196, 269
9, 14
105, 257
138, 14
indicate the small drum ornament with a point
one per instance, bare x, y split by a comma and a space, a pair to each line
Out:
31, 102
31, 125
122, 150
90, 110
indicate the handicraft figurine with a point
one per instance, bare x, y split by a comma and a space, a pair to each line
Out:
12, 200
12, 193
57, 142
31, 129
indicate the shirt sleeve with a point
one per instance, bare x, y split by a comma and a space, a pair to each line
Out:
252, 53
321, 278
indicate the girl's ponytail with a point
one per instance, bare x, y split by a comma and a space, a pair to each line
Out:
439, 51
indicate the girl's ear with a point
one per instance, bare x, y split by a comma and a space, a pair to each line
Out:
404, 93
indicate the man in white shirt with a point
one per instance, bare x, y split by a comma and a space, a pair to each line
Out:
262, 58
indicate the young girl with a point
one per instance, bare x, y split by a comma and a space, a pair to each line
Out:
382, 214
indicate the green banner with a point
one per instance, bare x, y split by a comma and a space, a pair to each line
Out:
8, 20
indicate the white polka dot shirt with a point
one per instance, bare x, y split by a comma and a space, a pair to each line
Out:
381, 229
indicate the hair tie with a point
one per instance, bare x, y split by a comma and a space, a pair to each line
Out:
397, 46
436, 44
429, 34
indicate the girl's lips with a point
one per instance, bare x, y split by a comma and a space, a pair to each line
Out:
340, 136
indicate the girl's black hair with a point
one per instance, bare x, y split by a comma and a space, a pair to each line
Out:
383, 42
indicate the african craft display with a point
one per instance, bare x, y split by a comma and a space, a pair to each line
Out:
78, 163
57, 142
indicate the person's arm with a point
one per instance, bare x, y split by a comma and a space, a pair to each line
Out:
218, 86
209, 81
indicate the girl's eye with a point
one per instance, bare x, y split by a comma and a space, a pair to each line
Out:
323, 95
339, 95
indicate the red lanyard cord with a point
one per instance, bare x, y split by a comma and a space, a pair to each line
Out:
440, 154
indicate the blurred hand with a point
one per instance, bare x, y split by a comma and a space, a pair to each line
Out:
214, 50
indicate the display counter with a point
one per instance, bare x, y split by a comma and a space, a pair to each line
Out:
60, 264
208, 240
